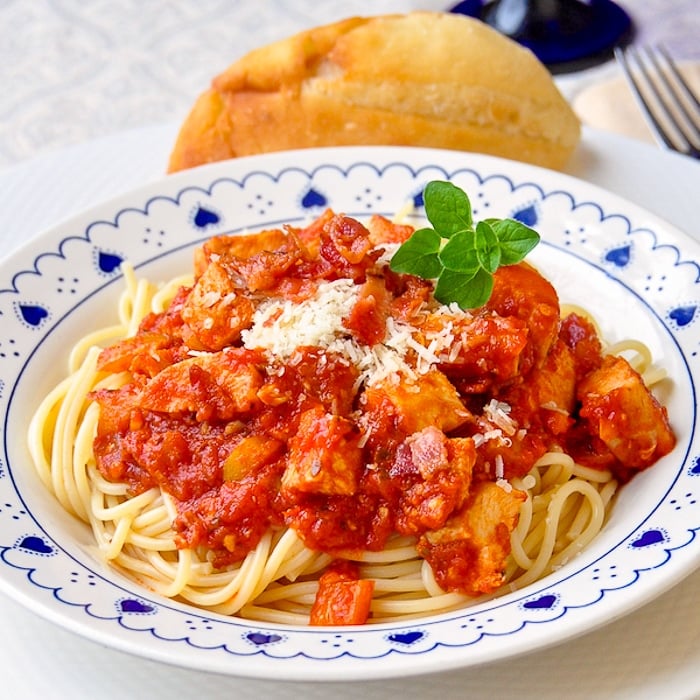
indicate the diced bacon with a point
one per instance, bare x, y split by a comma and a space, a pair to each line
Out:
350, 238
346, 248
368, 319
312, 234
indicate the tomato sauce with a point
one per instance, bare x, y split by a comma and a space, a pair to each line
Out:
243, 440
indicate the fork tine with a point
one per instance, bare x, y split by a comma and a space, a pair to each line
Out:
683, 123
638, 92
680, 80
679, 89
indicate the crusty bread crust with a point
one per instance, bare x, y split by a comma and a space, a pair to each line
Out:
421, 79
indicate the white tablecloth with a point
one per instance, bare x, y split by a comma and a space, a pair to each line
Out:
72, 71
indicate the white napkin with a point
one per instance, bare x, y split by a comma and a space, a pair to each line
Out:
610, 105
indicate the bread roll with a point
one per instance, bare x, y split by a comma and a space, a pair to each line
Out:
420, 79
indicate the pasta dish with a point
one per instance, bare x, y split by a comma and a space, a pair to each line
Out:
296, 433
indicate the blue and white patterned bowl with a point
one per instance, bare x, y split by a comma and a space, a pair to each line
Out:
636, 273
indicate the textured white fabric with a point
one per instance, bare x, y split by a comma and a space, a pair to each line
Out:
72, 70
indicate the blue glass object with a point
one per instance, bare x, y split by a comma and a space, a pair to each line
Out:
561, 33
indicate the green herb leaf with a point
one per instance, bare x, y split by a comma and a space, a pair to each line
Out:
419, 255
488, 248
447, 207
516, 239
452, 287
460, 256
467, 292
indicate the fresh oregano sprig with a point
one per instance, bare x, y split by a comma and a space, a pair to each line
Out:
458, 254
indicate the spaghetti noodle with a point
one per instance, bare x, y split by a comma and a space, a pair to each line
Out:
449, 470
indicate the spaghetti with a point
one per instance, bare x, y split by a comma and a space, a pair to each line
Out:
448, 469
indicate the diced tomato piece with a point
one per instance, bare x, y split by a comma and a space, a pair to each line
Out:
342, 598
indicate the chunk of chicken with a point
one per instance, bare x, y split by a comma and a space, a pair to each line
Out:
580, 335
220, 386
217, 310
520, 291
431, 400
240, 246
486, 350
432, 474
324, 455
383, 230
469, 554
146, 346
549, 395
156, 344
624, 414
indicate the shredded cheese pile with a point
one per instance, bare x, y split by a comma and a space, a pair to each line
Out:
280, 326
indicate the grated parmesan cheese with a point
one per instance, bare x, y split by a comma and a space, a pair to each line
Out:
497, 412
505, 485
499, 467
280, 326
387, 253
210, 298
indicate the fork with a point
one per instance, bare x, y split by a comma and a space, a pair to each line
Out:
671, 108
